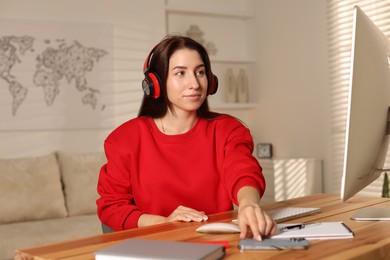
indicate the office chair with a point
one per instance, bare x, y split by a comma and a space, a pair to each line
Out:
106, 229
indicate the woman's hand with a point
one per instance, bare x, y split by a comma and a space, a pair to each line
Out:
181, 213
186, 214
251, 218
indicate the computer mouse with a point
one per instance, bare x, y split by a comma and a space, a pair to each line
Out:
219, 228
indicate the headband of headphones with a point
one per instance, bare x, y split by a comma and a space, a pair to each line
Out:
151, 84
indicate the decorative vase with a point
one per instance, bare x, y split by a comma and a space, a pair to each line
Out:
195, 33
211, 49
231, 90
242, 87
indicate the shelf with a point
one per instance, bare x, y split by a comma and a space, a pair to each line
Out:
233, 15
233, 106
207, 12
231, 60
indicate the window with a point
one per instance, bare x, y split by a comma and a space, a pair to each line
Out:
340, 18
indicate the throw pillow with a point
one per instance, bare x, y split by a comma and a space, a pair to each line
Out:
80, 174
30, 189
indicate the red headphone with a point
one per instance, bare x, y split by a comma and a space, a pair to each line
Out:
151, 84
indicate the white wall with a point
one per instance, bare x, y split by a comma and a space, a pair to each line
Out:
293, 83
289, 38
137, 26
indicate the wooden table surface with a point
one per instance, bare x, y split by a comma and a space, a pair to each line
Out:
371, 241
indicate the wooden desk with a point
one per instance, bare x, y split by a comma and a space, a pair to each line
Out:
372, 238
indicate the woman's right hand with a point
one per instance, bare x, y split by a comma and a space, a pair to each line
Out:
186, 214
181, 213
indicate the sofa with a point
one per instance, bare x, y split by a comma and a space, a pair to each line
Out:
48, 199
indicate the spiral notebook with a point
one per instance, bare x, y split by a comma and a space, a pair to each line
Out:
311, 231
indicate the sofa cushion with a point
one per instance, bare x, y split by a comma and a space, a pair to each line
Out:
80, 175
36, 233
30, 189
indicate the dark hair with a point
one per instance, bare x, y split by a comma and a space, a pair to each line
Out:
159, 64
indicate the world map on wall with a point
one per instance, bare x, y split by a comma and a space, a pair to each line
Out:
59, 61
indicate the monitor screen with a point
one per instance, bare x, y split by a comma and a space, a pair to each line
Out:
368, 101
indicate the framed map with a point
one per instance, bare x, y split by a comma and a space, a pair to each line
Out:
56, 75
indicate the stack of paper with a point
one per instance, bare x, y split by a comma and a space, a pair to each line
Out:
320, 230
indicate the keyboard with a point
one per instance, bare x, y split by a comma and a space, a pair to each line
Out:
288, 213
284, 214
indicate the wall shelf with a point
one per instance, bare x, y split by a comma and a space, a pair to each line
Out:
233, 106
234, 49
209, 12
232, 60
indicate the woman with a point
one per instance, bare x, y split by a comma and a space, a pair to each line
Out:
178, 161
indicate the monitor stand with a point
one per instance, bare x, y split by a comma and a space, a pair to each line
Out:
371, 213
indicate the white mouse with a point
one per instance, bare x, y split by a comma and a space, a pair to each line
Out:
219, 228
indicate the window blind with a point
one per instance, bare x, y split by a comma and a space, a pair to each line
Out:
340, 20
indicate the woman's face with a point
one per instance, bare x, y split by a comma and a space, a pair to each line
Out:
186, 81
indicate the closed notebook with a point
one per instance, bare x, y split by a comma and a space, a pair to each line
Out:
320, 230
158, 249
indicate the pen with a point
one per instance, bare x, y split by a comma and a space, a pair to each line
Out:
298, 226
347, 227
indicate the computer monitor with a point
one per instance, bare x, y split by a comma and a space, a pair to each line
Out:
366, 138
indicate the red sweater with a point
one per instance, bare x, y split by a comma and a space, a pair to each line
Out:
150, 172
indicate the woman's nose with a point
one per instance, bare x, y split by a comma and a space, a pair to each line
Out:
193, 81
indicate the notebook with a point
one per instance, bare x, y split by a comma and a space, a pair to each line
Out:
158, 249
320, 230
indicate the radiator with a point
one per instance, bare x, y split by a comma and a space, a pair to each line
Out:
291, 178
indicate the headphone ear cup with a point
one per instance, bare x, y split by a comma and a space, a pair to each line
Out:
151, 85
214, 85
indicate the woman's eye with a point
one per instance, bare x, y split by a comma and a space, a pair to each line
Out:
180, 73
200, 72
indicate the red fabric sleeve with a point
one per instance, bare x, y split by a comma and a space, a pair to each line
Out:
114, 186
240, 167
